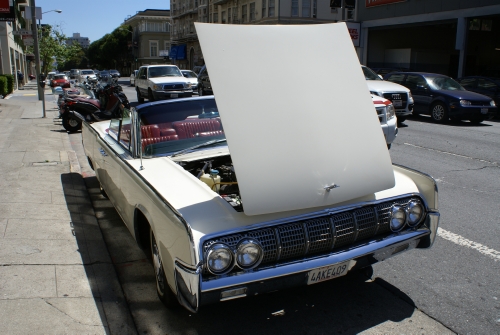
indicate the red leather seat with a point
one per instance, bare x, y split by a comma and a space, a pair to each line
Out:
193, 127
152, 133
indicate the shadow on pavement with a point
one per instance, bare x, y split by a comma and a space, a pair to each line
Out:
450, 123
347, 305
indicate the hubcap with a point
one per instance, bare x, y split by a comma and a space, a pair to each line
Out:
158, 267
438, 112
73, 123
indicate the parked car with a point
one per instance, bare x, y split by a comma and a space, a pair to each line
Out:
73, 73
399, 95
60, 80
157, 82
197, 69
204, 85
85, 74
387, 117
187, 207
114, 73
483, 85
443, 98
133, 75
193, 79
104, 75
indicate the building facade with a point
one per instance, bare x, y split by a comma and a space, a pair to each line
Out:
76, 38
150, 37
12, 55
451, 37
186, 12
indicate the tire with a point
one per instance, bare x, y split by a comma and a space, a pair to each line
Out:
103, 192
140, 99
439, 112
151, 97
71, 124
200, 91
401, 119
167, 297
389, 146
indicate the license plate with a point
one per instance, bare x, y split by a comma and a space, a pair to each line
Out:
328, 272
397, 103
174, 95
484, 110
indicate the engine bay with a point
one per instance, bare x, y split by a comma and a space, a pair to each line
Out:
218, 173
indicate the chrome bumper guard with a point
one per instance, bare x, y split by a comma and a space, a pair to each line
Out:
192, 291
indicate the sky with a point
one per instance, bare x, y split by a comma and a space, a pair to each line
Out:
93, 18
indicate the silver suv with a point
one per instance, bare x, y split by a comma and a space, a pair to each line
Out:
156, 82
399, 95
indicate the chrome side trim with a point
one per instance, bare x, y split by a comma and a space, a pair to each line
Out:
382, 249
278, 242
306, 236
187, 284
334, 233
432, 223
312, 215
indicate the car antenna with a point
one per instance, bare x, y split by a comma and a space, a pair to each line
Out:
140, 157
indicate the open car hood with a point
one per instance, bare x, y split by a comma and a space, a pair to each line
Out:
298, 144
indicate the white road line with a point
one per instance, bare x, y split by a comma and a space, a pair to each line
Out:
469, 244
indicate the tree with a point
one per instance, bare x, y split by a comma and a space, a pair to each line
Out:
111, 50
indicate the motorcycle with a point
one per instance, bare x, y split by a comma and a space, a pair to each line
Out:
75, 109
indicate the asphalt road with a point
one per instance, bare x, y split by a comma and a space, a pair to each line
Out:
452, 287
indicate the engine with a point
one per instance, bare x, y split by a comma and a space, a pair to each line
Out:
218, 173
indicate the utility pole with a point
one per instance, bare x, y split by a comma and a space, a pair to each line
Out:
41, 90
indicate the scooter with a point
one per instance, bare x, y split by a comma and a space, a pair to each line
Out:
76, 109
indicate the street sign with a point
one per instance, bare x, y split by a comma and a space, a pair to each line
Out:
29, 42
22, 32
163, 53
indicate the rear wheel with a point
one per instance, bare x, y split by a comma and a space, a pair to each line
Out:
165, 294
439, 112
140, 99
71, 124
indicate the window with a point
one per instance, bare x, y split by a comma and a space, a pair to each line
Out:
414, 82
468, 83
125, 129
315, 8
306, 8
252, 11
167, 46
271, 8
223, 17
235, 14
263, 8
229, 15
295, 7
153, 48
396, 78
216, 17
244, 13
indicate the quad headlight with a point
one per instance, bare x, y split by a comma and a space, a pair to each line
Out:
414, 212
220, 259
248, 253
398, 218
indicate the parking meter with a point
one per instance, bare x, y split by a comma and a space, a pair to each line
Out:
42, 83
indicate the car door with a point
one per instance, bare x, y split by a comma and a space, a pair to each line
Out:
421, 92
142, 81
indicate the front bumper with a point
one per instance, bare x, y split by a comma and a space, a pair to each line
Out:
390, 130
193, 291
172, 94
464, 112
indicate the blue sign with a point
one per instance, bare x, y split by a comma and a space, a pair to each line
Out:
178, 52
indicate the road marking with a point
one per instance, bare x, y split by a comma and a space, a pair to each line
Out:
26, 95
451, 153
469, 244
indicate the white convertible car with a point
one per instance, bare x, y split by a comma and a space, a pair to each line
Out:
263, 190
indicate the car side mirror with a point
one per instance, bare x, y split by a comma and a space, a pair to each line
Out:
380, 76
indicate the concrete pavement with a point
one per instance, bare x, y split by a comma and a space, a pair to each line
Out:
56, 275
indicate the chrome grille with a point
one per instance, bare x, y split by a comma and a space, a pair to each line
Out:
173, 86
323, 234
402, 95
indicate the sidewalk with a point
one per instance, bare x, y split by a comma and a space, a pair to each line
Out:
56, 276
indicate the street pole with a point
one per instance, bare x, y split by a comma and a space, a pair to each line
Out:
41, 90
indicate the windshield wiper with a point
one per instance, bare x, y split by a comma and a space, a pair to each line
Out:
204, 144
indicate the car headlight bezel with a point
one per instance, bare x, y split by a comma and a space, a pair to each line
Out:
411, 209
391, 112
156, 87
187, 85
376, 93
465, 103
492, 103
397, 219
218, 249
242, 251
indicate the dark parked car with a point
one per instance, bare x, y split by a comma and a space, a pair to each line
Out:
483, 85
204, 86
114, 73
443, 98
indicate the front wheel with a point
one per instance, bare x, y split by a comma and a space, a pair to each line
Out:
439, 112
71, 124
401, 119
165, 294
140, 99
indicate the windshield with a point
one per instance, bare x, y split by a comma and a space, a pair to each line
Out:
369, 74
180, 127
60, 76
189, 74
103, 73
164, 71
444, 83
85, 89
87, 72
